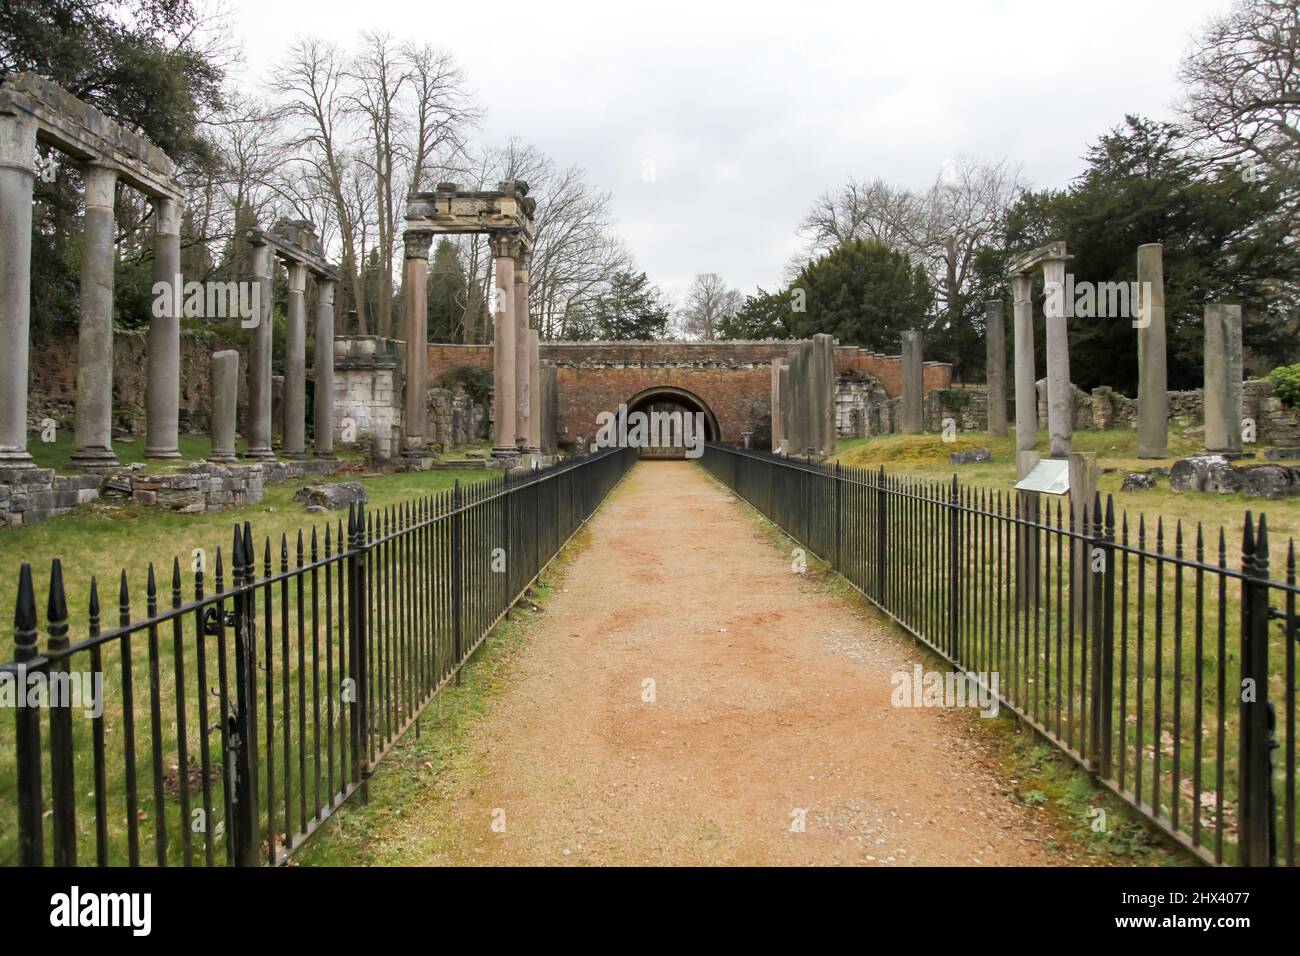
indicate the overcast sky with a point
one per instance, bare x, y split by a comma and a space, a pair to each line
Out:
748, 110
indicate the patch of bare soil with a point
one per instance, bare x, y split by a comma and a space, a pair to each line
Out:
688, 699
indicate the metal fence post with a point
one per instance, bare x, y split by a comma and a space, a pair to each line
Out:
954, 570
243, 731
27, 726
881, 536
62, 786
358, 725
1100, 622
457, 574
1255, 809
839, 501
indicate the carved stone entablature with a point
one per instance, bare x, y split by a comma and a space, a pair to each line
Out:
295, 241
1053, 251
85, 134
451, 210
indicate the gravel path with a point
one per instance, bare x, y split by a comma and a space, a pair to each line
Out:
771, 706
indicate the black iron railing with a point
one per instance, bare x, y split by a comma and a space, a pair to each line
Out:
1135, 647
232, 723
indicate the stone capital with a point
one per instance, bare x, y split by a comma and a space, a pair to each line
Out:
505, 245
325, 291
1022, 286
17, 140
417, 244
297, 277
101, 185
167, 216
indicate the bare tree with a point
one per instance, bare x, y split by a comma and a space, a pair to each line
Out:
942, 228
708, 301
312, 96
1243, 79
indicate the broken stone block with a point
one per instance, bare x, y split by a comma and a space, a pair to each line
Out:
970, 456
333, 496
1137, 481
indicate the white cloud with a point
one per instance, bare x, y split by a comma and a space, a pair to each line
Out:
748, 110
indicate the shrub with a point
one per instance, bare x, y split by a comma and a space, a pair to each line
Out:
1286, 384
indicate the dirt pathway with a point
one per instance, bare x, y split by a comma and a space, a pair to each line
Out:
771, 704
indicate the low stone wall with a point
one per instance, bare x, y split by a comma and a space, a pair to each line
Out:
28, 495
53, 380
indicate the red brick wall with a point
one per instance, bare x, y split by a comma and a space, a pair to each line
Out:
733, 379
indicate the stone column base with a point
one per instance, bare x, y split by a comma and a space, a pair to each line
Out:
161, 453
260, 454
506, 454
94, 459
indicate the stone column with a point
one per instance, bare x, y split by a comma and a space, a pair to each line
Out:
94, 412
995, 366
536, 411
1083, 492
1026, 439
1026, 378
805, 427
294, 425
504, 337
415, 299
778, 426
1153, 382
163, 362
523, 359
913, 383
823, 373
783, 388
1060, 402
1223, 369
224, 376
259, 360
323, 404
17, 176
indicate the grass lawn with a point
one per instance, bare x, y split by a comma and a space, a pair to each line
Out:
102, 541
926, 456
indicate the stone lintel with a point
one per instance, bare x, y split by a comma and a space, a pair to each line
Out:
1036, 257
295, 245
452, 211
82, 132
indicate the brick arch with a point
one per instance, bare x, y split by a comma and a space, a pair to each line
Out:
677, 396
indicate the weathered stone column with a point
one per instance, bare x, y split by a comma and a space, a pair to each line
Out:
323, 403
995, 366
415, 298
1026, 378
224, 376
534, 446
259, 359
778, 424
1223, 368
295, 364
17, 176
1153, 382
1060, 402
163, 362
784, 389
504, 337
523, 360
913, 383
823, 374
94, 414
806, 427
1029, 504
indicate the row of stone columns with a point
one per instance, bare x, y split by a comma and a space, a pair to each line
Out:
93, 416
293, 441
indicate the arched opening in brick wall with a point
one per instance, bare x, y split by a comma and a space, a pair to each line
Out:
666, 398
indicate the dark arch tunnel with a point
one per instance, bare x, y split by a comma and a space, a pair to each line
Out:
669, 399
